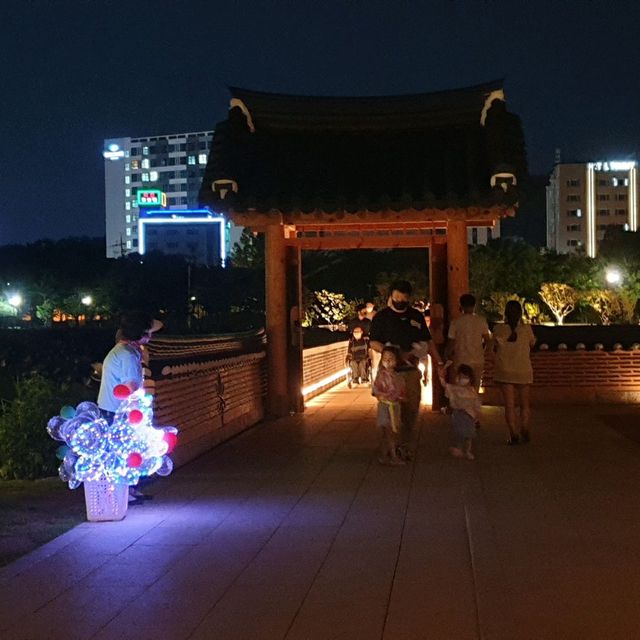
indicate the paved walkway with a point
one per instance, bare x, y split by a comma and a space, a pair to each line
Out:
294, 531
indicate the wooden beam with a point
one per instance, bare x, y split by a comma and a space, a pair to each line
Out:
329, 243
474, 216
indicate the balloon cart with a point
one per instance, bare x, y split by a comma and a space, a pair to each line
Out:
110, 457
106, 500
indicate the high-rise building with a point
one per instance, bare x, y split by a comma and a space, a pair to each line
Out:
159, 171
585, 200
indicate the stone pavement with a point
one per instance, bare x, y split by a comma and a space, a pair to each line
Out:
293, 530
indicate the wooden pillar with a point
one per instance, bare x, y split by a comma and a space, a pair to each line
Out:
277, 321
438, 299
295, 345
457, 266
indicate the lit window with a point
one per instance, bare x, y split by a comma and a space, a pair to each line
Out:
126, 166
135, 204
127, 206
135, 164
153, 176
127, 219
127, 179
128, 231
126, 154
145, 151
128, 244
191, 160
145, 177
202, 158
127, 193
145, 163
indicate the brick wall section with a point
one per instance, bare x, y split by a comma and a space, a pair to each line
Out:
578, 377
320, 362
210, 388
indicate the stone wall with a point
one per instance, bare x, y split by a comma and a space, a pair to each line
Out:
210, 388
577, 377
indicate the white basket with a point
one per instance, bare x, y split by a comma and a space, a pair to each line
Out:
106, 500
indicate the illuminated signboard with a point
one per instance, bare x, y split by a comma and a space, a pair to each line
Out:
158, 222
151, 198
612, 166
113, 152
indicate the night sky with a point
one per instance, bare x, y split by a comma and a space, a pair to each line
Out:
75, 72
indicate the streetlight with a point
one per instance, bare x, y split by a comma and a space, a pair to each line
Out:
15, 300
87, 300
613, 276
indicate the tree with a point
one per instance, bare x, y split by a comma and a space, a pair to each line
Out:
605, 302
249, 252
333, 307
560, 298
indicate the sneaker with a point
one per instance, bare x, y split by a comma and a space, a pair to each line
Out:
456, 452
469, 456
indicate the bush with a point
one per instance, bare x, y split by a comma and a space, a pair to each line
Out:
26, 450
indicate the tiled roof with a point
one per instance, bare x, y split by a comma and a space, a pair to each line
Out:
302, 153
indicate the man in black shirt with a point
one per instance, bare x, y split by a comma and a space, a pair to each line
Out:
405, 328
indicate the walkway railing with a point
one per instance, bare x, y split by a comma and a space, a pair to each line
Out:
215, 387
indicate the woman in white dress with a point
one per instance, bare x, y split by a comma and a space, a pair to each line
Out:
513, 341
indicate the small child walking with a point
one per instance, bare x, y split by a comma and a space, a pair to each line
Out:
465, 404
388, 388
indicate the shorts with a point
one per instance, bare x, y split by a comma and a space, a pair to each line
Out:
464, 426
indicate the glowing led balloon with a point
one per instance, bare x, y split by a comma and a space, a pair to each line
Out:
124, 451
121, 391
67, 412
136, 417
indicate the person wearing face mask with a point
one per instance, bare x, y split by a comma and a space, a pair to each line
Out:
403, 327
388, 389
464, 402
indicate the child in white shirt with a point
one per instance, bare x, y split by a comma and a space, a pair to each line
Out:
465, 404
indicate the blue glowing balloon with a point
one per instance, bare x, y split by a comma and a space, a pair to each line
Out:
53, 427
64, 474
62, 451
90, 408
67, 412
166, 467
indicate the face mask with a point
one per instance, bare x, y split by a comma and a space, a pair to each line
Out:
464, 381
400, 305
